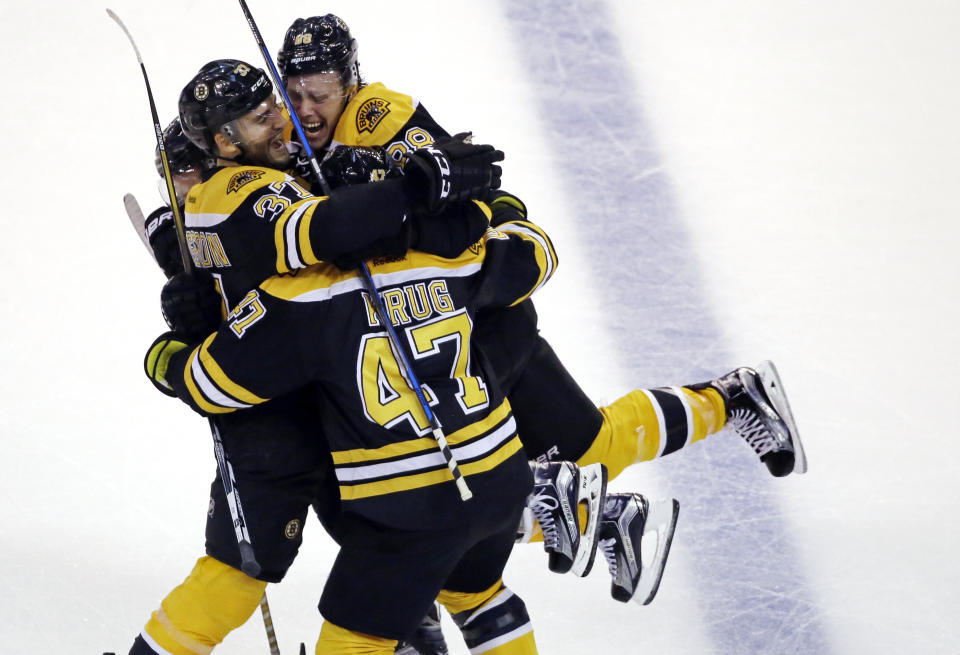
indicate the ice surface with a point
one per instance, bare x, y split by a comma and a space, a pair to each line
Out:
724, 184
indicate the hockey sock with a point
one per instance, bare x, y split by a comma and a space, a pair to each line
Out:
197, 615
493, 621
649, 423
335, 640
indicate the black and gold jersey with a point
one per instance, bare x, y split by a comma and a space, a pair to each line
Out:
247, 223
378, 116
319, 324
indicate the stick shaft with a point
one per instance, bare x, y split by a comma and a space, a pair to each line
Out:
158, 132
367, 277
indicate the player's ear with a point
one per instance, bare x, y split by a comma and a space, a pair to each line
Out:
224, 147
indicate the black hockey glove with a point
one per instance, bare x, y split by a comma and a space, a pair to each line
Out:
191, 305
505, 207
348, 165
448, 234
157, 359
450, 170
162, 235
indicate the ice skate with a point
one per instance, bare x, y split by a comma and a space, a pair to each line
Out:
427, 640
559, 488
758, 410
627, 519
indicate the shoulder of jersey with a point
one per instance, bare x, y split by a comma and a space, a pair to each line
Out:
229, 187
374, 116
325, 281
316, 283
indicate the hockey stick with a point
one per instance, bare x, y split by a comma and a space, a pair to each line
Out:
158, 131
277, 84
402, 360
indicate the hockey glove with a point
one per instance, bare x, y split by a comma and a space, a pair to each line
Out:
448, 234
505, 207
162, 235
191, 304
157, 360
347, 165
451, 170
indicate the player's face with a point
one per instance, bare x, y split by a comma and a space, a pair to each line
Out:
260, 135
319, 100
184, 181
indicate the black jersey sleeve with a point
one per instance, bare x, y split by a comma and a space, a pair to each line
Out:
259, 352
274, 225
519, 259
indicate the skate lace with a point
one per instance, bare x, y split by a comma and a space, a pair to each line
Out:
609, 548
749, 426
542, 506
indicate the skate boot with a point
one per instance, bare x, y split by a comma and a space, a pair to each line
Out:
427, 640
558, 490
758, 410
627, 519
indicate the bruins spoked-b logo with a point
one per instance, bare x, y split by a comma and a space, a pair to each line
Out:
201, 91
242, 178
371, 113
292, 529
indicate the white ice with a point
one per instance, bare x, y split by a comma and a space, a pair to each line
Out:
725, 182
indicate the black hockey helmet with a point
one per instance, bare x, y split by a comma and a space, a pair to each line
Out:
182, 155
319, 44
223, 90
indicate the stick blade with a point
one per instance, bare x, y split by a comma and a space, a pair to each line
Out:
135, 214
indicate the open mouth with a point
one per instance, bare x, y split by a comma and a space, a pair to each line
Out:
277, 143
313, 128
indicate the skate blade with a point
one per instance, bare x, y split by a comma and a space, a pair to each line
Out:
773, 387
593, 492
662, 520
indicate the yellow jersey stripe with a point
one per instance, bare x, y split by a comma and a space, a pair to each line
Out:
217, 375
325, 281
303, 236
546, 256
198, 398
430, 459
279, 232
419, 480
412, 446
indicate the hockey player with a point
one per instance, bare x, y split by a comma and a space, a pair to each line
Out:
318, 62
610, 434
389, 479
216, 583
557, 418
319, 65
